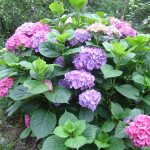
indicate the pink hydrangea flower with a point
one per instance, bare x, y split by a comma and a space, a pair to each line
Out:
27, 121
30, 28
16, 41
124, 27
38, 38
5, 85
139, 131
49, 84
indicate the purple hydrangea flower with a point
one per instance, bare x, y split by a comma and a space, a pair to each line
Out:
60, 61
90, 99
79, 79
81, 36
38, 38
90, 58
127, 120
63, 83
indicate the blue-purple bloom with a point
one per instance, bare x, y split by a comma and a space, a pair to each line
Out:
79, 79
60, 61
127, 120
81, 36
38, 38
90, 58
63, 83
90, 99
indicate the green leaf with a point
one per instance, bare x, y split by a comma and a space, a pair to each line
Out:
78, 4
128, 57
100, 144
75, 142
59, 95
25, 64
25, 133
108, 47
134, 113
10, 58
49, 49
67, 117
119, 48
86, 114
110, 72
72, 51
13, 108
19, 93
120, 130
128, 91
102, 136
116, 110
57, 8
138, 78
69, 126
79, 127
54, 143
60, 132
146, 99
40, 70
90, 133
43, 123
36, 87
116, 144
7, 72
108, 126
62, 37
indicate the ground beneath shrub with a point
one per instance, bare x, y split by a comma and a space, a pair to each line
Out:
10, 129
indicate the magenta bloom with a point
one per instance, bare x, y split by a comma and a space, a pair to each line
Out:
60, 61
38, 38
16, 41
124, 27
79, 79
90, 58
139, 131
90, 99
5, 85
81, 36
49, 84
27, 121
30, 28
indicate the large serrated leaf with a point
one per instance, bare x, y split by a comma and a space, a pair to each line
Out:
43, 123
54, 143
110, 72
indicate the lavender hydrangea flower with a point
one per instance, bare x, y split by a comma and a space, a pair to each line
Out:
90, 58
60, 61
90, 99
38, 38
79, 79
81, 36
63, 83
127, 120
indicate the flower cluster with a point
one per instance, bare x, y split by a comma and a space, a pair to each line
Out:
60, 61
79, 79
81, 36
124, 28
90, 99
27, 121
116, 27
49, 84
5, 85
90, 58
38, 38
139, 131
28, 35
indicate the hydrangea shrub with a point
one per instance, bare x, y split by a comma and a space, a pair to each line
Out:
81, 81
